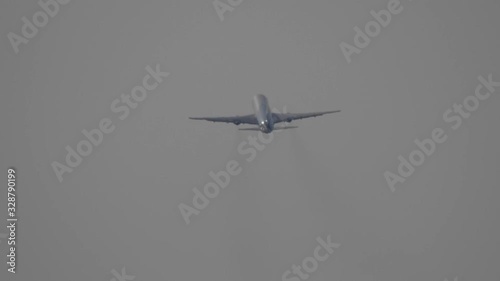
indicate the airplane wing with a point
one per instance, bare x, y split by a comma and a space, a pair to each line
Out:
245, 119
289, 117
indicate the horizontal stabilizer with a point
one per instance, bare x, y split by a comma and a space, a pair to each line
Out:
249, 129
275, 128
285, 127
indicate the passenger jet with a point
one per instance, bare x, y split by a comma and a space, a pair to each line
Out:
263, 117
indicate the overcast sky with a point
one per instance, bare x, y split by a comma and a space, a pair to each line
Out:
119, 208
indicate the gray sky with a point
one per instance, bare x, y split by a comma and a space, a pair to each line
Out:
120, 206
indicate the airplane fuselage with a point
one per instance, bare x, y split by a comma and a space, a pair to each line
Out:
263, 114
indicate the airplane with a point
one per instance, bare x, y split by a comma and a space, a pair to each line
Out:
264, 117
